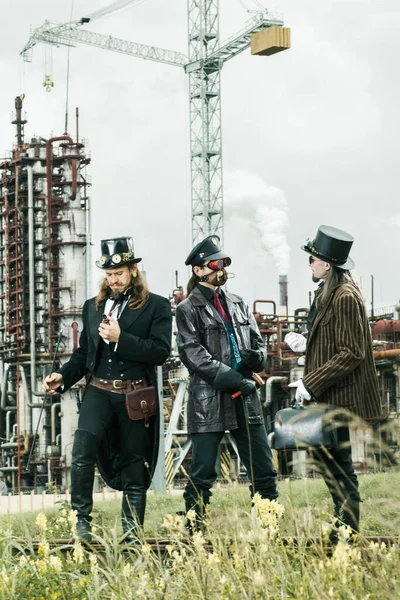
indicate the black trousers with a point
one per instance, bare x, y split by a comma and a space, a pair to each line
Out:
336, 467
255, 453
100, 409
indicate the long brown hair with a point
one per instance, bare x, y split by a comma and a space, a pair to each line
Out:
334, 277
140, 292
192, 283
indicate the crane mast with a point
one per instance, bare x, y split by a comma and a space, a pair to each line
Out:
203, 66
205, 120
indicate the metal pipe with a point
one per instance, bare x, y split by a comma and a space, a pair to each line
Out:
31, 279
88, 278
372, 296
8, 425
8, 445
4, 392
53, 422
49, 182
265, 302
386, 353
25, 384
74, 326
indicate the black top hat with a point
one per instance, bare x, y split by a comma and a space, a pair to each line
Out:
207, 249
116, 252
331, 245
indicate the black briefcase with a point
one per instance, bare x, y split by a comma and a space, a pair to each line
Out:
310, 426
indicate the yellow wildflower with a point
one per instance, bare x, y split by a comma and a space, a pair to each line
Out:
41, 521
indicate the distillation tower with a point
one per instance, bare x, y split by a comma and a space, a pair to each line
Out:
44, 258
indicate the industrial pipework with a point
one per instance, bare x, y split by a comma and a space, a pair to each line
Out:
44, 244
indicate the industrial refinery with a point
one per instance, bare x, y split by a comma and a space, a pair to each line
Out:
45, 242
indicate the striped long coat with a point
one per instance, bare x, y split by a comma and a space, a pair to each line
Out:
339, 366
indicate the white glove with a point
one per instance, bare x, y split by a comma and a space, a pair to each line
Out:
296, 341
301, 392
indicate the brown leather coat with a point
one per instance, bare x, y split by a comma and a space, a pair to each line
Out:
339, 366
204, 349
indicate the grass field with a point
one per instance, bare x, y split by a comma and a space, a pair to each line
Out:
247, 560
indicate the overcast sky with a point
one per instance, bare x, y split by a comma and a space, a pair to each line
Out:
310, 135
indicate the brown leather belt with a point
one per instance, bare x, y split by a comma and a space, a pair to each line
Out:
118, 386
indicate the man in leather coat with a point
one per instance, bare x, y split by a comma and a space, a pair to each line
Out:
220, 344
126, 332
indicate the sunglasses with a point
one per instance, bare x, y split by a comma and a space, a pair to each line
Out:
215, 265
312, 259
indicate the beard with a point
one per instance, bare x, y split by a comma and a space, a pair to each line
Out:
315, 279
117, 294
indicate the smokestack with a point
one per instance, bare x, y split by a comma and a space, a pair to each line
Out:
19, 121
283, 295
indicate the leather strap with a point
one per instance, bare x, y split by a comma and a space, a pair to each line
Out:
118, 386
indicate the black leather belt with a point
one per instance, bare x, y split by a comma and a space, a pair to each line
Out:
118, 386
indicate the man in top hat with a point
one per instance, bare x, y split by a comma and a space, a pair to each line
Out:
220, 344
126, 332
339, 367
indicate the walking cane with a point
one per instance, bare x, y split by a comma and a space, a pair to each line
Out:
43, 403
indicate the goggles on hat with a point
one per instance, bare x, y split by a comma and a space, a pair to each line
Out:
220, 263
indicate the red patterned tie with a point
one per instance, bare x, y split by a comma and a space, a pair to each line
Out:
220, 308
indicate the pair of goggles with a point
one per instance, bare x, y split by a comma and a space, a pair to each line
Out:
216, 265
115, 259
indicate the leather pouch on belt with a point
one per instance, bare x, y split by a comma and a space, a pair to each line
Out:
141, 403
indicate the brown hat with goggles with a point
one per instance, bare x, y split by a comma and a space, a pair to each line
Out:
116, 252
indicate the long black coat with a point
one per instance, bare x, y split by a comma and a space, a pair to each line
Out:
145, 341
204, 349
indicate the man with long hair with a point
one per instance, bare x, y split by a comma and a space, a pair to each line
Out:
339, 367
220, 344
126, 332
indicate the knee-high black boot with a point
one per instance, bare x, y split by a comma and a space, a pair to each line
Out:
133, 502
346, 511
198, 505
132, 513
82, 477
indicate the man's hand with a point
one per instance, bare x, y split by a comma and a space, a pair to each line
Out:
252, 359
296, 341
247, 387
301, 392
110, 331
52, 382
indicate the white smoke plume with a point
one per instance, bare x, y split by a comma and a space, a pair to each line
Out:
264, 210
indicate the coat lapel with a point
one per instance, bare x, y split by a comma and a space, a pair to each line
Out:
128, 316
320, 315
198, 299
94, 322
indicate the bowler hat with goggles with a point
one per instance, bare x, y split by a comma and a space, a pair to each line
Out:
208, 250
116, 252
332, 246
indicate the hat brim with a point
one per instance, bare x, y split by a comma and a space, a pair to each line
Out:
119, 265
347, 266
216, 256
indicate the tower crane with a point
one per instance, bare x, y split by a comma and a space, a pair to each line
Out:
206, 57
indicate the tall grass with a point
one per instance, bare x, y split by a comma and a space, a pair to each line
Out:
247, 556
